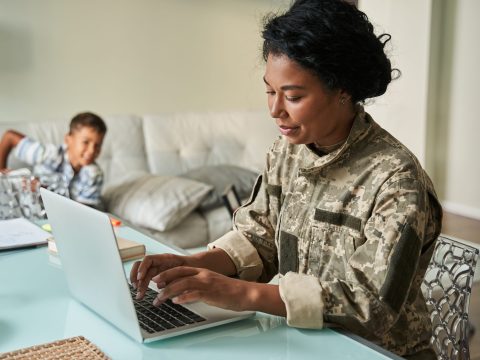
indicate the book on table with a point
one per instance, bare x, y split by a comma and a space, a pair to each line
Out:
129, 250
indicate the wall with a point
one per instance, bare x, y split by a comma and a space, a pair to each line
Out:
403, 109
432, 108
118, 56
454, 146
149, 56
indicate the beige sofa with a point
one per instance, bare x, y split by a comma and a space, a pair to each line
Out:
147, 156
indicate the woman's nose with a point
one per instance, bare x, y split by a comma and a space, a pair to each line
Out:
276, 109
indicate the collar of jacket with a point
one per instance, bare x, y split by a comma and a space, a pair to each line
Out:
362, 125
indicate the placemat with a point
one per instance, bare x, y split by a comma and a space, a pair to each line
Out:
72, 348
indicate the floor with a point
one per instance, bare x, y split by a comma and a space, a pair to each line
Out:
468, 229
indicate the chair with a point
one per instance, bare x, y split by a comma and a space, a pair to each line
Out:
231, 199
447, 287
20, 194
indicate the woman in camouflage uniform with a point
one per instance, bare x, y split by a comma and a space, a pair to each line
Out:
343, 212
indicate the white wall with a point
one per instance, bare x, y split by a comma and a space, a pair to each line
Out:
60, 57
432, 108
460, 166
403, 109
148, 56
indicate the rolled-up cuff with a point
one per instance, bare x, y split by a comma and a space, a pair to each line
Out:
302, 295
243, 254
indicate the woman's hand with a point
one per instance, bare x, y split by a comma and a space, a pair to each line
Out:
204, 277
143, 271
151, 265
184, 284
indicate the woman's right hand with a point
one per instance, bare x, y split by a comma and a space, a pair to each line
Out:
151, 265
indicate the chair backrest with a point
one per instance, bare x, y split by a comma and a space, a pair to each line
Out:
447, 287
20, 194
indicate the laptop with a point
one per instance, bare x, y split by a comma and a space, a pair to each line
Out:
95, 275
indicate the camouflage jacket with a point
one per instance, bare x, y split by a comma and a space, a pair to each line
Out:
350, 233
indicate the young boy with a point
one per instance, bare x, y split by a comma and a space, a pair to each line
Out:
75, 159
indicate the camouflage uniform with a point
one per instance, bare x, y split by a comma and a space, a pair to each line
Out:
350, 233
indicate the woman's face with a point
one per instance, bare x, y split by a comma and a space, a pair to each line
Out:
303, 109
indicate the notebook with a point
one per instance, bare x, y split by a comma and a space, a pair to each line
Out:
19, 233
128, 249
87, 248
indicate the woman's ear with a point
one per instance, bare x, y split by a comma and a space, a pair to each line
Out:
67, 138
344, 97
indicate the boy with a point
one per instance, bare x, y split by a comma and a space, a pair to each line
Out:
75, 159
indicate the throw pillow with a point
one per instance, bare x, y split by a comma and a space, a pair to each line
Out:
155, 201
219, 177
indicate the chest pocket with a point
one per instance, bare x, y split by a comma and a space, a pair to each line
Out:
331, 243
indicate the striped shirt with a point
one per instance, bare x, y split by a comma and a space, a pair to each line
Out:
84, 186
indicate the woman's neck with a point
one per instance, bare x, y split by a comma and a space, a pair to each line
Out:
345, 122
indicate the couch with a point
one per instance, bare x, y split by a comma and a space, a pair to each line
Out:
142, 155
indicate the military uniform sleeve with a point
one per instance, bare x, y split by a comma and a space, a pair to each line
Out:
251, 244
379, 273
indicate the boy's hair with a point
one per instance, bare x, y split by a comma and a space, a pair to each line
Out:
90, 120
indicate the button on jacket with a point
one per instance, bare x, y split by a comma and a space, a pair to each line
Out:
350, 233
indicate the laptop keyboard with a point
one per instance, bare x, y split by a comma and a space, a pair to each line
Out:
164, 317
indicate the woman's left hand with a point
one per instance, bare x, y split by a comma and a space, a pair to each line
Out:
184, 284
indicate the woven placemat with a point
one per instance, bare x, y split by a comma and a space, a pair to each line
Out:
72, 348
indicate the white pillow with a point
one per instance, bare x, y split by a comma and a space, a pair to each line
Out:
155, 201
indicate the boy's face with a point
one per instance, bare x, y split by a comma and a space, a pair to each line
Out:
83, 146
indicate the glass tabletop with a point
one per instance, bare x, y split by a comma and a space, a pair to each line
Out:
36, 307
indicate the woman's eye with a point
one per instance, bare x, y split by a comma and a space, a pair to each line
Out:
270, 92
293, 98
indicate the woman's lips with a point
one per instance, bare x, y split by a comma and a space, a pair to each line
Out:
288, 130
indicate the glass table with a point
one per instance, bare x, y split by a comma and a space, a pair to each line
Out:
36, 307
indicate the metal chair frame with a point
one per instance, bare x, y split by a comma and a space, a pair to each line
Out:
447, 287
20, 194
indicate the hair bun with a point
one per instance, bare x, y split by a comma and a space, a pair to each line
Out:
336, 41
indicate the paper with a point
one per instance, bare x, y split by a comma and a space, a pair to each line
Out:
20, 232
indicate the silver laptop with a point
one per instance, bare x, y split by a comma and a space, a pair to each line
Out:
95, 275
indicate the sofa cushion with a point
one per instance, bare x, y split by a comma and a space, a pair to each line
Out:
178, 142
155, 201
219, 177
219, 222
191, 232
123, 150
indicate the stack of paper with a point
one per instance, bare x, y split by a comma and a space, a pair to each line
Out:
18, 233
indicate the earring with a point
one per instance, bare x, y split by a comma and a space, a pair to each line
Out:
342, 100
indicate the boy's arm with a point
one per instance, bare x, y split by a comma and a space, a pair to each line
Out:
88, 186
10, 139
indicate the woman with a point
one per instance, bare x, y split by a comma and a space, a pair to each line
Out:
343, 211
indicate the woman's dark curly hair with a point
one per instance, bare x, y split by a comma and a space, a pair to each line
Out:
335, 41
